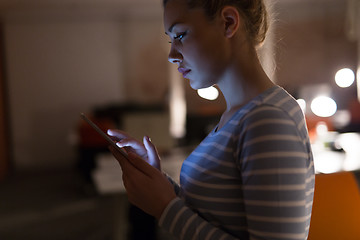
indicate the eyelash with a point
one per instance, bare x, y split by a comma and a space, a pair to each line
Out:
179, 37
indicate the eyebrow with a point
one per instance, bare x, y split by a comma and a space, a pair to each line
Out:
172, 27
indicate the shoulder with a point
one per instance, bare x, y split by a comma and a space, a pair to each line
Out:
278, 113
273, 112
276, 107
265, 112
267, 120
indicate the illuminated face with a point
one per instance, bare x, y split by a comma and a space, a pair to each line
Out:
197, 44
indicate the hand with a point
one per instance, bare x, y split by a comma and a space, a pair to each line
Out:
145, 150
146, 187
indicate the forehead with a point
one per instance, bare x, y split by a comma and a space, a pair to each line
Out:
177, 11
174, 12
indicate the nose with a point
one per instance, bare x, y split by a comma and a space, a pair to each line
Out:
174, 55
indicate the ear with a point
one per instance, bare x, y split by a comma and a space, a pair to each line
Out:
231, 18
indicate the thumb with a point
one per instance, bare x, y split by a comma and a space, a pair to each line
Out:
153, 155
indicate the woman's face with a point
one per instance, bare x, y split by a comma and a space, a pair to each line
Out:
197, 44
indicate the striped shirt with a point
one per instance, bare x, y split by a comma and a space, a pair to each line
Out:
251, 179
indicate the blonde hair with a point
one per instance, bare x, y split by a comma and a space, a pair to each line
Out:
253, 11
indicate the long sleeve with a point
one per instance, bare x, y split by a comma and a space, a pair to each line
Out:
277, 175
181, 221
176, 186
252, 179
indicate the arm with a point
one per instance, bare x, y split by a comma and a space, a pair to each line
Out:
181, 221
278, 176
177, 187
150, 190
273, 210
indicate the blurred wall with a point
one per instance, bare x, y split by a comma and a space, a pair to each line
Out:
61, 62
312, 43
4, 133
55, 71
65, 57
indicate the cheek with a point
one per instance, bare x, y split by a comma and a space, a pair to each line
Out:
205, 53
212, 49
201, 56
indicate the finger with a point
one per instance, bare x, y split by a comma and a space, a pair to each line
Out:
124, 140
150, 147
152, 152
117, 133
128, 142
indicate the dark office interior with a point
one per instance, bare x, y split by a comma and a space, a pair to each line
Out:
59, 58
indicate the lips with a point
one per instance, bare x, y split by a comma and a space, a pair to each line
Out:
184, 71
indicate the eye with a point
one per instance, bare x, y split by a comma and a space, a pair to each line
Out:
180, 36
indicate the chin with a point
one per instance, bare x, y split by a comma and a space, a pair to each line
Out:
196, 85
193, 84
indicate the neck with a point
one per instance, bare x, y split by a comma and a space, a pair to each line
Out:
243, 81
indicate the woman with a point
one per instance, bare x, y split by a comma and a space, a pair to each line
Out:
252, 177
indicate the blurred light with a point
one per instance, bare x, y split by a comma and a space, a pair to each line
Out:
302, 104
323, 106
177, 104
344, 77
210, 93
321, 128
358, 82
328, 161
350, 143
341, 118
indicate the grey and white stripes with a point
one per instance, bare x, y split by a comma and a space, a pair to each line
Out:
253, 178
